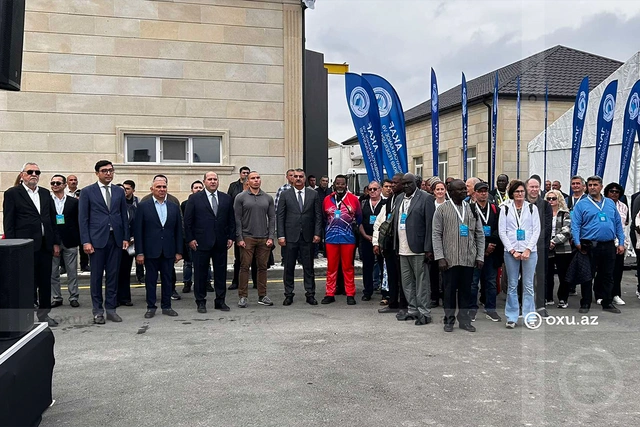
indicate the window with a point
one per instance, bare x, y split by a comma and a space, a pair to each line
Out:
443, 165
173, 149
417, 166
472, 162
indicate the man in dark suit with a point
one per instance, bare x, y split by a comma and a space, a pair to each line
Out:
158, 237
209, 227
29, 213
104, 231
299, 218
124, 273
69, 231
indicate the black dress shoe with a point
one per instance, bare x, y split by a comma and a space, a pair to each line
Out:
233, 287
114, 317
169, 312
202, 308
312, 301
210, 288
388, 309
187, 287
423, 320
127, 303
49, 321
366, 298
255, 286
351, 301
611, 309
150, 313
448, 328
287, 301
328, 300
468, 327
583, 309
222, 307
98, 319
56, 303
74, 303
404, 315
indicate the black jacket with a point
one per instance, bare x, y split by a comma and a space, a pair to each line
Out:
69, 231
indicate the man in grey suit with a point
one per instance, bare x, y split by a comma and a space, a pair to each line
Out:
299, 218
412, 222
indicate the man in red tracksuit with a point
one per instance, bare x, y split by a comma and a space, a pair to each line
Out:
342, 211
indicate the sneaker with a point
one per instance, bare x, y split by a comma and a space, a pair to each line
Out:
563, 304
265, 300
511, 325
175, 296
243, 303
549, 302
472, 315
599, 301
351, 301
493, 316
618, 300
638, 294
543, 313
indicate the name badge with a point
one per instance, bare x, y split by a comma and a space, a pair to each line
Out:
388, 217
59, 219
520, 234
464, 230
336, 214
487, 230
602, 217
372, 219
403, 222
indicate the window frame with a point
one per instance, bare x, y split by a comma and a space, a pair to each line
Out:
418, 168
472, 161
443, 166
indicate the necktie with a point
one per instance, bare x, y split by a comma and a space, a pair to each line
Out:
300, 200
108, 193
214, 204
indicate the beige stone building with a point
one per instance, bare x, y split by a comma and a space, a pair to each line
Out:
177, 87
561, 67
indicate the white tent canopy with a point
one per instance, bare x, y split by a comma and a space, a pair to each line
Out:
559, 135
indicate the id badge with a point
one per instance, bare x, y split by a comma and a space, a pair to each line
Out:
520, 235
336, 214
388, 217
372, 219
487, 230
602, 217
464, 230
403, 222
59, 219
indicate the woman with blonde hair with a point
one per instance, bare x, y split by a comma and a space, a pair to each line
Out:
560, 249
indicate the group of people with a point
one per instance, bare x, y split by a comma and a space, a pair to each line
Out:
420, 241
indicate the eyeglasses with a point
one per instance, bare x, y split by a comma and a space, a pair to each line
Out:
614, 191
56, 183
551, 199
107, 171
32, 172
519, 191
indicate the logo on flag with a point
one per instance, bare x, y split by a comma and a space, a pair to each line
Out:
582, 105
609, 107
385, 102
359, 102
634, 106
464, 101
434, 97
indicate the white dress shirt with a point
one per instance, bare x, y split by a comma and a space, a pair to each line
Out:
59, 203
104, 191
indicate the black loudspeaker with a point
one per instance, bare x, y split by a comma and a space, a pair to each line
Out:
16, 287
11, 37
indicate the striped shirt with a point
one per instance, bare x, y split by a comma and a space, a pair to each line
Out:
449, 244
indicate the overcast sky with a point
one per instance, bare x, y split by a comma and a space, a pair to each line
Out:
402, 39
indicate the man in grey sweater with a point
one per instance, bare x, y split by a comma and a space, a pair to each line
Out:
255, 231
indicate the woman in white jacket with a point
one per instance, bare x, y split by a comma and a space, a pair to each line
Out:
519, 228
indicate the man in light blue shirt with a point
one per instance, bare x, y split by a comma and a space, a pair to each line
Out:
594, 226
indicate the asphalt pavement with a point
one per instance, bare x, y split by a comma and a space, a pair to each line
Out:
339, 365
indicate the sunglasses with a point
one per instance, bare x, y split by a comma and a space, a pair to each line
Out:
551, 199
56, 183
614, 191
106, 171
32, 172
373, 189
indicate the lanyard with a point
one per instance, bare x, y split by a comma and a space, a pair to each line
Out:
502, 199
373, 208
595, 204
460, 216
518, 217
484, 218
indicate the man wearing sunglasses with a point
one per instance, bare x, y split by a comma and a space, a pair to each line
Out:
69, 231
104, 232
29, 213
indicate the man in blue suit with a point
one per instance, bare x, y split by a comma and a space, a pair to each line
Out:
158, 237
210, 228
104, 231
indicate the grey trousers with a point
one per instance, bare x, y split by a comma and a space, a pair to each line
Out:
70, 258
416, 284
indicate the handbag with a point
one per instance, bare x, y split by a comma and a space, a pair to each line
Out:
386, 233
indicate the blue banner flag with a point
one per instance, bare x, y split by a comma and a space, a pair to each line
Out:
629, 131
465, 123
397, 115
435, 123
579, 115
366, 121
605, 121
546, 116
518, 127
392, 140
494, 130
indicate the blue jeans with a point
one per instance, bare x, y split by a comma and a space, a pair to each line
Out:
512, 309
488, 276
